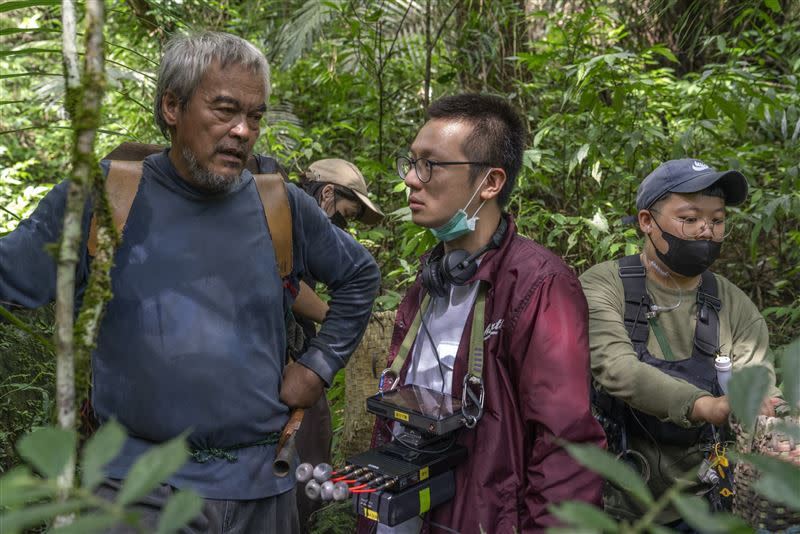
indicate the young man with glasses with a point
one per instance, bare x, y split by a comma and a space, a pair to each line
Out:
658, 322
484, 287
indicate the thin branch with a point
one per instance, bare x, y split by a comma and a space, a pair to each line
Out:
17, 217
25, 327
388, 55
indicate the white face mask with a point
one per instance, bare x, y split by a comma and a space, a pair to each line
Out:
460, 224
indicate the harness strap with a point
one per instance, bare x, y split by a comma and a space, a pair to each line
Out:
125, 175
637, 301
662, 339
637, 304
706, 333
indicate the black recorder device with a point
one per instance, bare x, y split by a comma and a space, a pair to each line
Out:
414, 472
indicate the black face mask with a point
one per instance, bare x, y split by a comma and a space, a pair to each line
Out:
337, 219
687, 257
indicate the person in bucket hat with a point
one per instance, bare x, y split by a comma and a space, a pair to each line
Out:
341, 191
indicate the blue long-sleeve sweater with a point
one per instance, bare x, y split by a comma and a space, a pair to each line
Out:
194, 337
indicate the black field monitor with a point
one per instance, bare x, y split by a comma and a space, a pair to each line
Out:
424, 409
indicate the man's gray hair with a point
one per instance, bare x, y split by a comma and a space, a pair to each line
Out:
186, 59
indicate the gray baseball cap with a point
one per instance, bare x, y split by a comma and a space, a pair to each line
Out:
689, 176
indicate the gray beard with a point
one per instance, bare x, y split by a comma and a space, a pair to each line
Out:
206, 179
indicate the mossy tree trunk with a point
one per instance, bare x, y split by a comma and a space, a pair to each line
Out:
84, 95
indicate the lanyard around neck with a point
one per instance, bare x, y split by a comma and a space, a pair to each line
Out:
475, 364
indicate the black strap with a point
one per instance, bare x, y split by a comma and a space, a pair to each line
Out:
706, 333
637, 301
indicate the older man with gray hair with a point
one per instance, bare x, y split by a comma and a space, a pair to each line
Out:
194, 339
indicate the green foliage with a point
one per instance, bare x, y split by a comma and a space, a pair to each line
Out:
607, 465
27, 380
583, 515
101, 448
695, 511
153, 467
48, 450
605, 101
747, 389
28, 500
181, 508
790, 368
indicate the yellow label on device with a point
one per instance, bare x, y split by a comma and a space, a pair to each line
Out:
400, 415
425, 500
370, 514
424, 473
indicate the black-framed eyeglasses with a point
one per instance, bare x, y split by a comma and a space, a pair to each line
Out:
424, 166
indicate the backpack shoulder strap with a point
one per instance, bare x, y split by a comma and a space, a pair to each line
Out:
125, 175
122, 183
275, 198
637, 301
706, 333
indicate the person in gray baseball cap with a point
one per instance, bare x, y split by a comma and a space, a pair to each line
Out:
665, 333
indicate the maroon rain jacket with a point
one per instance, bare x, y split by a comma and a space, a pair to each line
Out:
536, 376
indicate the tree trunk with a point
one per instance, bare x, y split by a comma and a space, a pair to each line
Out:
83, 101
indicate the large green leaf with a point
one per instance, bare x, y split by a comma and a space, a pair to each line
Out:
35, 515
780, 480
746, 390
180, 509
97, 522
790, 372
48, 449
792, 430
21, 4
695, 511
103, 446
613, 470
584, 515
152, 468
19, 486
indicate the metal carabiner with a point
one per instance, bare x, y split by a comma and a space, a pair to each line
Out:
382, 381
470, 399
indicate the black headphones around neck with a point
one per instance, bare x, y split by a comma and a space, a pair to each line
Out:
457, 266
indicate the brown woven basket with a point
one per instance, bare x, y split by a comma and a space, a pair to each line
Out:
361, 381
751, 506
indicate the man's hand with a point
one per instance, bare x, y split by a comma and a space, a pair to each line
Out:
715, 410
301, 387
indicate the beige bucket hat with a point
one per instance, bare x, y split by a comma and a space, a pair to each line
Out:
344, 173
